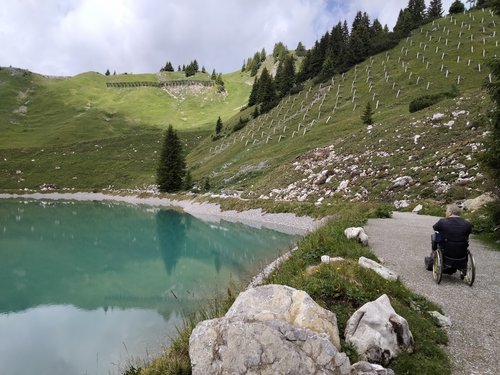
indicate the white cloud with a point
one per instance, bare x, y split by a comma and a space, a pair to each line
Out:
66, 37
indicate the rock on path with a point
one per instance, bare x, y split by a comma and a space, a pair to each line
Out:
474, 344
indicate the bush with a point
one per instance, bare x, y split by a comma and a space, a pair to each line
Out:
296, 89
241, 124
424, 102
486, 219
428, 100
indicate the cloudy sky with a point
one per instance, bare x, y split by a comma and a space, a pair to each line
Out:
67, 37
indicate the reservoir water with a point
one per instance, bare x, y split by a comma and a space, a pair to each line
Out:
89, 287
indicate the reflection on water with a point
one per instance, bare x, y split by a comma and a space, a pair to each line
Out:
86, 285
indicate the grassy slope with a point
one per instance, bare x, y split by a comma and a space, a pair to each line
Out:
54, 130
233, 162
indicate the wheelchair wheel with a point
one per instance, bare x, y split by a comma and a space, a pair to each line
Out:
437, 266
470, 274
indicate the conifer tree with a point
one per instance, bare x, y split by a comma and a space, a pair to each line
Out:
366, 117
360, 37
218, 126
213, 77
404, 23
435, 10
220, 83
493, 155
263, 55
457, 7
267, 92
172, 167
107, 72
417, 11
252, 100
300, 51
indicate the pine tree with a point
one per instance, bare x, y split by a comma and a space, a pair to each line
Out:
366, 117
263, 55
252, 99
300, 51
255, 113
417, 11
279, 51
218, 126
172, 167
360, 37
404, 23
203, 70
220, 83
267, 92
435, 10
107, 72
213, 77
188, 180
457, 7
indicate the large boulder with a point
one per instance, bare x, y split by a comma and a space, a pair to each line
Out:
478, 202
271, 329
378, 333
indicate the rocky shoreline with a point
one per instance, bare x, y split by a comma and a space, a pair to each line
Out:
281, 222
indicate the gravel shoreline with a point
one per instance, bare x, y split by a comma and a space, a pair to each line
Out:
282, 222
474, 347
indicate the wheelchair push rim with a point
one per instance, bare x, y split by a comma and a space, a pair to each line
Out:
470, 272
437, 266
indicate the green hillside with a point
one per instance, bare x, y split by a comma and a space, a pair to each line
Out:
274, 156
78, 133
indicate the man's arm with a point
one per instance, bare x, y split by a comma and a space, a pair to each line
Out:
438, 226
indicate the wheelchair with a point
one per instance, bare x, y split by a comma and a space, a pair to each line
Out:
442, 262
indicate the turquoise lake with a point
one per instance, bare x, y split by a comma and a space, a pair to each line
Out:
88, 287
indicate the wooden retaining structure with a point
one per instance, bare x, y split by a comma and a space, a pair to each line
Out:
177, 83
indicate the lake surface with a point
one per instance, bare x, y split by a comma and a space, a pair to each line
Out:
87, 287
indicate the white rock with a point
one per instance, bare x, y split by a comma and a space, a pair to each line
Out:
443, 321
378, 333
401, 204
367, 368
416, 138
418, 208
458, 113
385, 272
402, 181
352, 232
343, 186
449, 123
478, 202
328, 259
437, 116
363, 238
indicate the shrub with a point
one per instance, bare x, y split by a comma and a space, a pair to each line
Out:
486, 219
296, 89
241, 124
428, 100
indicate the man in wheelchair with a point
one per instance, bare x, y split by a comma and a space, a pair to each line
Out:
452, 237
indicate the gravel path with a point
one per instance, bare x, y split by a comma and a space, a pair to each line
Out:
474, 337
